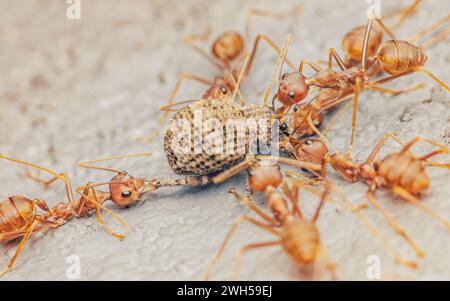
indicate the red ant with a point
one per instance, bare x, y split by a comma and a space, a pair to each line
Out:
19, 215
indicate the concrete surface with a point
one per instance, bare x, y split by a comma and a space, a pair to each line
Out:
72, 90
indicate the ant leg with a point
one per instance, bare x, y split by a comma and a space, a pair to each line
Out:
230, 233
381, 143
293, 195
45, 183
63, 177
406, 12
428, 73
261, 13
252, 206
358, 86
87, 164
435, 78
232, 171
396, 92
190, 40
163, 117
413, 200
348, 206
366, 43
428, 140
20, 247
442, 150
402, 232
310, 64
311, 167
333, 54
386, 29
280, 60
336, 117
100, 219
429, 29
247, 248
322, 202
436, 39
255, 46
303, 179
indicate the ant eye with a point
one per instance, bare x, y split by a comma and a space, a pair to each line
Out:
126, 194
295, 108
223, 89
284, 75
283, 127
291, 94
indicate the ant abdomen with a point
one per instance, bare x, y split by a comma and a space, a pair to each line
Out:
405, 171
353, 44
301, 241
396, 56
228, 46
15, 213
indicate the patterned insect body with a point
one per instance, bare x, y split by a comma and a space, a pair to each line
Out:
206, 137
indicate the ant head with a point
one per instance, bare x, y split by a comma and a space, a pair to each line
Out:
262, 176
292, 89
348, 169
311, 150
125, 189
219, 90
228, 46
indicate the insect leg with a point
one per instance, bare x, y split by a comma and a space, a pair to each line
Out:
310, 64
183, 77
333, 54
247, 248
225, 175
262, 13
429, 29
413, 200
20, 247
394, 224
393, 91
255, 46
230, 233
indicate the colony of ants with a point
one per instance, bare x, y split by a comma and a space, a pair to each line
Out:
367, 58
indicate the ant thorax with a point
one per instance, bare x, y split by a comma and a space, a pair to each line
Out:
325, 78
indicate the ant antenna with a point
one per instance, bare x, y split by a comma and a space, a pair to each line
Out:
241, 75
280, 58
59, 176
318, 133
86, 164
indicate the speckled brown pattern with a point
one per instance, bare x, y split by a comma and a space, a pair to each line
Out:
207, 161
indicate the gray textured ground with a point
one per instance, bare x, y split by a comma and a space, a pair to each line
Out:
75, 90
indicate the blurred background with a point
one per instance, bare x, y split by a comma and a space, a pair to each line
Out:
79, 89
